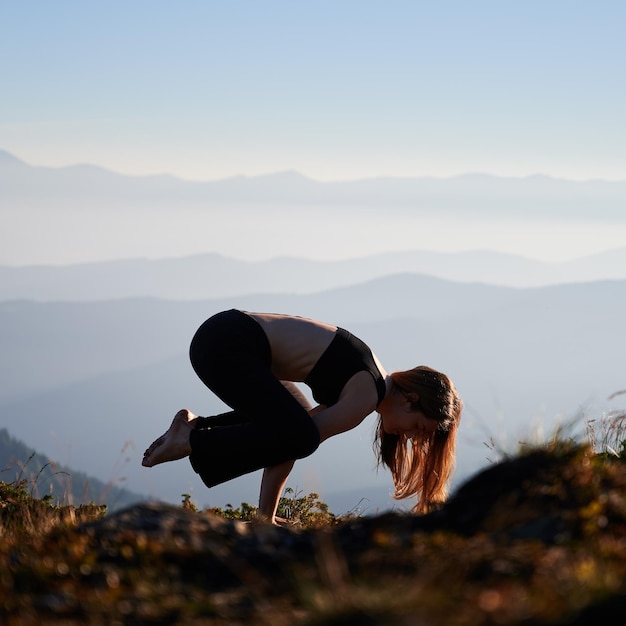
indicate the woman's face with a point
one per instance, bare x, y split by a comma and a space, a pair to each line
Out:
399, 418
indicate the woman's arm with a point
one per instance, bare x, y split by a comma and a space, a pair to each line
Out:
272, 485
275, 477
357, 401
274, 481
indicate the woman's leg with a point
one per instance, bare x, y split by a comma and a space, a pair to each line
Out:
231, 355
233, 417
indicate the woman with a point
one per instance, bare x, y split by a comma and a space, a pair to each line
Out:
251, 360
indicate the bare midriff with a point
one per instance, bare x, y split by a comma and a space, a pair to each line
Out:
297, 343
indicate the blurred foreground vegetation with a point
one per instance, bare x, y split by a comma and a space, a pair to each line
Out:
537, 538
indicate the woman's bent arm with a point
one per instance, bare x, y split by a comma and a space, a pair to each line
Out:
275, 477
272, 485
358, 400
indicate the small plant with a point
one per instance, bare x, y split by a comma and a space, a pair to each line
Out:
293, 509
188, 504
300, 510
245, 512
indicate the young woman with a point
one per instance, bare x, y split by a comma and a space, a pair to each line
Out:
251, 360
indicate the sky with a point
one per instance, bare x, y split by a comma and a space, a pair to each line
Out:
335, 90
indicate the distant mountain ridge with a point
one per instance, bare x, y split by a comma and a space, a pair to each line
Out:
215, 276
85, 187
83, 213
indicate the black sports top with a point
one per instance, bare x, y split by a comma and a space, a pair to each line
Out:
345, 356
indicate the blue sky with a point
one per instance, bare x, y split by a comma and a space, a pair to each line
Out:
332, 89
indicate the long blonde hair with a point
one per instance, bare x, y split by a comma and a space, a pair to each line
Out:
422, 465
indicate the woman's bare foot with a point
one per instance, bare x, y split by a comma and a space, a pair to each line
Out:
174, 444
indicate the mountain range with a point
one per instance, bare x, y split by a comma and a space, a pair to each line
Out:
79, 186
84, 381
94, 358
215, 276
68, 216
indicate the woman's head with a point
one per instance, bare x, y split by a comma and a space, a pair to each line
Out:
416, 435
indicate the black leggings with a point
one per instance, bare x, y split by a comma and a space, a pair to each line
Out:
268, 425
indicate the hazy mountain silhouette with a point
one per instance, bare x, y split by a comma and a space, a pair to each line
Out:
57, 342
215, 276
87, 187
85, 213
82, 381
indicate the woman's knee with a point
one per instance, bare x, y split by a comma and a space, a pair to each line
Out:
305, 441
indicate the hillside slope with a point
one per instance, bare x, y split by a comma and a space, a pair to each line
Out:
64, 485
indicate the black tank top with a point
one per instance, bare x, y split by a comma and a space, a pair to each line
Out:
345, 356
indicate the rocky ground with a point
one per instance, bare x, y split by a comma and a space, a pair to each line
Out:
536, 539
